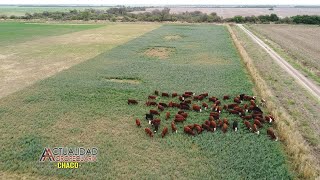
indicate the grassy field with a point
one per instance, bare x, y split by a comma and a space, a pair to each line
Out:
16, 32
22, 10
298, 46
82, 107
300, 109
26, 62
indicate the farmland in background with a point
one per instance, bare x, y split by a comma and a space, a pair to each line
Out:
16, 32
231, 12
86, 106
22, 10
297, 43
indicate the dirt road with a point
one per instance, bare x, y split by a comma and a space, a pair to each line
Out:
305, 82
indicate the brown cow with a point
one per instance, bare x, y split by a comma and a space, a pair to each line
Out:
161, 108
138, 123
224, 128
226, 97
152, 97
164, 132
258, 123
151, 103
173, 127
155, 112
196, 108
255, 129
271, 134
188, 130
213, 125
174, 94
148, 131
132, 101
164, 94
167, 115
248, 125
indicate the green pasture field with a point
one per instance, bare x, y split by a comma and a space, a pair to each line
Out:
22, 10
15, 32
83, 107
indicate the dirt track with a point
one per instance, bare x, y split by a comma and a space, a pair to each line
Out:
305, 82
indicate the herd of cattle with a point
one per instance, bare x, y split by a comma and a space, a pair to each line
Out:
243, 106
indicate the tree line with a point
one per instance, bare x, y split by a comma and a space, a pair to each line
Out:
126, 14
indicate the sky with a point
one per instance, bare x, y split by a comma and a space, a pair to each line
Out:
158, 2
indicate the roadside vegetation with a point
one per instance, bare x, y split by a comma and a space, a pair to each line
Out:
296, 109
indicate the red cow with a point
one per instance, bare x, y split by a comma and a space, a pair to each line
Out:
174, 94
258, 123
132, 101
180, 112
237, 100
179, 116
138, 123
211, 118
224, 128
150, 103
152, 97
207, 122
161, 108
271, 134
226, 97
187, 101
199, 129
213, 125
255, 129
155, 112
213, 99
205, 105
217, 102
196, 108
164, 132
248, 117
163, 104
164, 94
206, 127
269, 118
220, 123
252, 103
167, 115
181, 98
188, 130
179, 119
185, 115
248, 125
148, 131
156, 124
189, 93
173, 127
186, 95
215, 115
204, 94
225, 120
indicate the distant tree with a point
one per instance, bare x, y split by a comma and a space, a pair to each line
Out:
238, 19
3, 16
273, 18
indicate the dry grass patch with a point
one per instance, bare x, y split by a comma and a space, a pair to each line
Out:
124, 80
207, 59
159, 52
24, 63
172, 37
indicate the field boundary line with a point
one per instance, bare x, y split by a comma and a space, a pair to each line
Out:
305, 82
296, 147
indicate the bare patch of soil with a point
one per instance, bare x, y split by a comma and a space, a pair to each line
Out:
159, 52
172, 37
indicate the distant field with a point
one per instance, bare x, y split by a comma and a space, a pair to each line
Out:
82, 106
20, 11
231, 12
298, 42
16, 32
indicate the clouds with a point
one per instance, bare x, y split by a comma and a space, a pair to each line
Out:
156, 2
